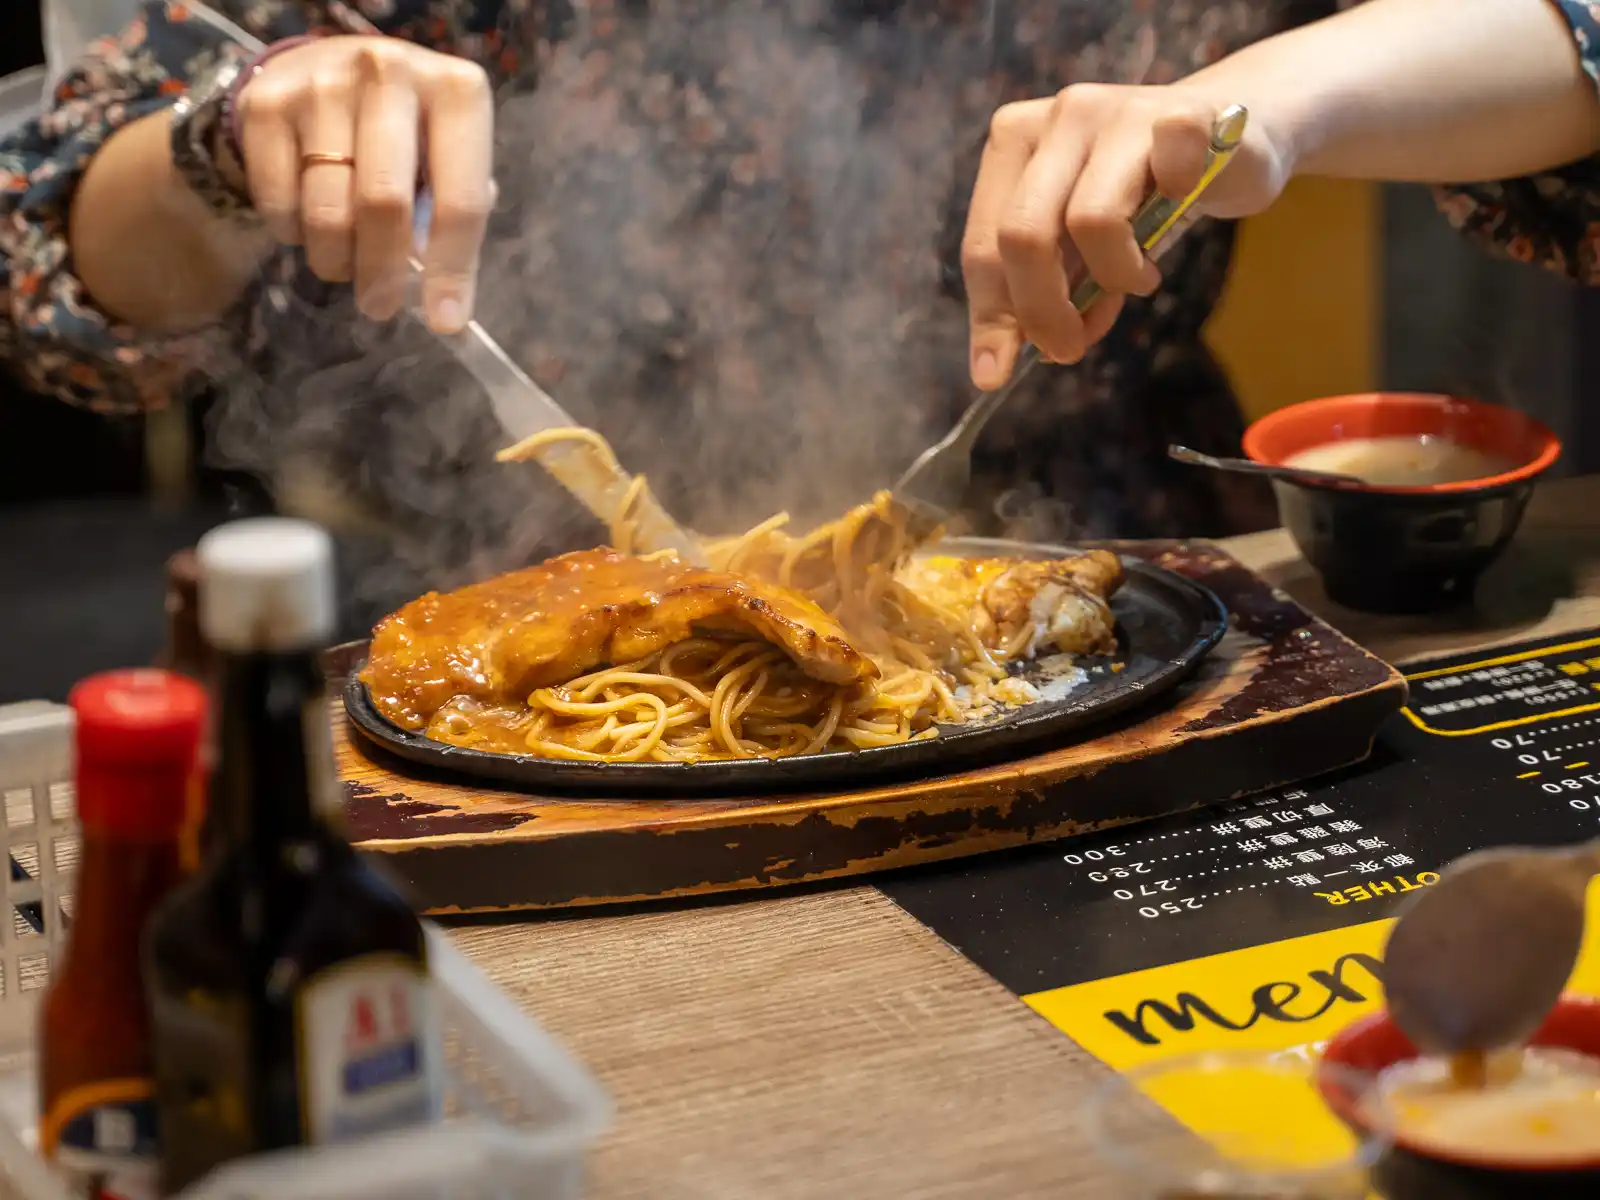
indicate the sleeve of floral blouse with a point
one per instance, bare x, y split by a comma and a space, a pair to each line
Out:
51, 334
1553, 218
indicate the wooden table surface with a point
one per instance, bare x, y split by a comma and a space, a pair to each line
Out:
825, 1044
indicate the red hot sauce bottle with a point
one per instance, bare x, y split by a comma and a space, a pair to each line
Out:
138, 735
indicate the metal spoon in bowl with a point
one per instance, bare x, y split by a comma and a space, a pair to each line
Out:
1245, 466
1476, 962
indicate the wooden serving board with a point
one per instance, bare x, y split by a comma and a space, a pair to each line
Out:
1284, 697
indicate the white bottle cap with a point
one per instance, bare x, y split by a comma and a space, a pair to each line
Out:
266, 584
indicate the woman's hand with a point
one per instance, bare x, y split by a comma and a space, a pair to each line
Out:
1057, 190
333, 135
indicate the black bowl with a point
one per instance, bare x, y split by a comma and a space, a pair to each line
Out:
1403, 549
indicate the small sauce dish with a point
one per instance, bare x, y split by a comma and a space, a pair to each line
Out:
1416, 1166
1445, 484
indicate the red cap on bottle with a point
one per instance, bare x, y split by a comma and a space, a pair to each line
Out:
138, 741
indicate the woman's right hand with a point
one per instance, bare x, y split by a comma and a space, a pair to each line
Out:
1057, 191
333, 135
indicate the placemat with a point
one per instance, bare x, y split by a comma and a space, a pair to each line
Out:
1260, 924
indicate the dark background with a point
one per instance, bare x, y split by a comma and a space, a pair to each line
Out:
21, 42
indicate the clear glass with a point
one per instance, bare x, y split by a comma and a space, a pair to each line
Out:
1231, 1126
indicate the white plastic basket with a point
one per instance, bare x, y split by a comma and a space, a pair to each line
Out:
521, 1113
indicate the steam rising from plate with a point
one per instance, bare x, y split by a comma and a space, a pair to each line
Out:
718, 241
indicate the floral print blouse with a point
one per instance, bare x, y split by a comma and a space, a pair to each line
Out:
728, 239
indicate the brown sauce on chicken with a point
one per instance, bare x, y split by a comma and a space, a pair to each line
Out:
497, 641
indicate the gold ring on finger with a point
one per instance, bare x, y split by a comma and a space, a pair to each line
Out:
320, 158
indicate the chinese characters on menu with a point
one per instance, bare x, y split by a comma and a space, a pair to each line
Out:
1540, 716
1469, 699
1283, 840
1537, 714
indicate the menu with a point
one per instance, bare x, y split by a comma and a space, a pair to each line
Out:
1260, 924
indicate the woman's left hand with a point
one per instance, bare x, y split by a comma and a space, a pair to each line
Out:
1060, 182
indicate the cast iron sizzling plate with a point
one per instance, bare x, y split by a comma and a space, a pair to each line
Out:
1165, 625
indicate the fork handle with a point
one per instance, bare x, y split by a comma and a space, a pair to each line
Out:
1157, 223
1160, 220
987, 404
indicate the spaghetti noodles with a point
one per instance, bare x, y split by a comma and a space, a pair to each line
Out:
730, 688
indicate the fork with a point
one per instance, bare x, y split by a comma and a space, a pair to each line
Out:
937, 482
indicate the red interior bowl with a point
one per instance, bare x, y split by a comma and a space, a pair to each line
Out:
1281, 435
1375, 1042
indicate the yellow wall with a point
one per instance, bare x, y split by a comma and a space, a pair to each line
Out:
1300, 314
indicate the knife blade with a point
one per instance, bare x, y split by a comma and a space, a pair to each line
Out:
523, 409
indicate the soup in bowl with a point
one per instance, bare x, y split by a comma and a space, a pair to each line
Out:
1417, 460
1526, 1128
1440, 486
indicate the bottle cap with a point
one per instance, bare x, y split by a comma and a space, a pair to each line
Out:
138, 739
266, 585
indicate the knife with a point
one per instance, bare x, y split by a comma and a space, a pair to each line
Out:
523, 409
522, 406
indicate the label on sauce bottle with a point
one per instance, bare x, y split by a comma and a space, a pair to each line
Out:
102, 1140
370, 1055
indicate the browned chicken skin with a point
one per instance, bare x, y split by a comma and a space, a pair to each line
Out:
1061, 605
499, 640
